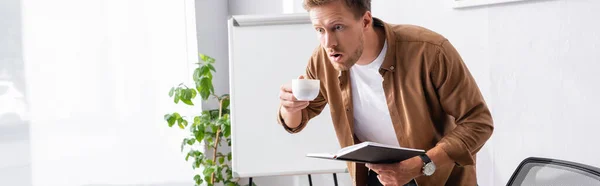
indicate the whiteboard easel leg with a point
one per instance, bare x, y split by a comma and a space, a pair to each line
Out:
309, 180
335, 179
250, 182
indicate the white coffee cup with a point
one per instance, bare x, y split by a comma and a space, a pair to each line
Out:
305, 89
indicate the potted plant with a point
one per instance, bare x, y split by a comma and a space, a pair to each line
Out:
208, 130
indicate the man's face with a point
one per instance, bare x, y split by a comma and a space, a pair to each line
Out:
339, 32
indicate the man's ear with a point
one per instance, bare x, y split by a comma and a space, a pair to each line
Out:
367, 19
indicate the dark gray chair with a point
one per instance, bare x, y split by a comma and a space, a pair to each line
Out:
535, 171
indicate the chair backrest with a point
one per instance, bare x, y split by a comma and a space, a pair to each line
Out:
544, 171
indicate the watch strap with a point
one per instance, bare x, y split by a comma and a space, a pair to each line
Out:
425, 158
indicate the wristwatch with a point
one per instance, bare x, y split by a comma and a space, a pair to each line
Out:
428, 166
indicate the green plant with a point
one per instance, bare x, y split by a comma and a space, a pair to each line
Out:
207, 130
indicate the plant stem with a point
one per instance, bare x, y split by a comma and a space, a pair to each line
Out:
212, 176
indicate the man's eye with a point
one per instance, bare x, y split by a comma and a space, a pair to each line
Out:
320, 30
339, 27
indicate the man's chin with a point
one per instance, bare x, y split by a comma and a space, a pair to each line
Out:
340, 67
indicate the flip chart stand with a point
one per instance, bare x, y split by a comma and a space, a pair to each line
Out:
309, 180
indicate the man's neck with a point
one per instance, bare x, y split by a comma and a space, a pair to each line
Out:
374, 40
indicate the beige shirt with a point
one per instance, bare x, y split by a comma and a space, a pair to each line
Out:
432, 98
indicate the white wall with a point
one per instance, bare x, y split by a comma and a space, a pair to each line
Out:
544, 81
98, 75
535, 63
211, 18
15, 153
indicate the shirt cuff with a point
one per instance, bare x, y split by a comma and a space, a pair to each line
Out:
297, 129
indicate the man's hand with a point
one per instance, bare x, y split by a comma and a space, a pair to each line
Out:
398, 174
290, 106
289, 103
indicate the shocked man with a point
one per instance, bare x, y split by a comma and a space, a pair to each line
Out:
401, 85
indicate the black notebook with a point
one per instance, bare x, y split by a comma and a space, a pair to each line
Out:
370, 152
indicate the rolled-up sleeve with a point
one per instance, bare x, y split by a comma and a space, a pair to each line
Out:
313, 109
461, 98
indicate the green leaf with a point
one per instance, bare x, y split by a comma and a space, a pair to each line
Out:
226, 102
204, 57
182, 123
199, 134
208, 171
204, 87
197, 74
229, 156
171, 91
231, 184
193, 93
191, 141
221, 122
204, 70
197, 163
208, 75
219, 175
227, 131
198, 179
208, 181
199, 154
171, 118
176, 98
197, 120
211, 67
205, 83
214, 128
187, 102
188, 93
188, 141
210, 162
221, 159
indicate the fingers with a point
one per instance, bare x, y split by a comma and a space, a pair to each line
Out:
288, 101
286, 88
381, 167
286, 95
384, 173
294, 105
386, 180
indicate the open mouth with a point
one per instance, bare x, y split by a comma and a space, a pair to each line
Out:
336, 57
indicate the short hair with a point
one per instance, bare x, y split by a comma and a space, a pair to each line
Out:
358, 7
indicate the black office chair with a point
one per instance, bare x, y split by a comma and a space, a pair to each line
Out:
535, 171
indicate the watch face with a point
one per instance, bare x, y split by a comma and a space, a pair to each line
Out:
429, 169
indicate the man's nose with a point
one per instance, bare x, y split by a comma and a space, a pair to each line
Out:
330, 41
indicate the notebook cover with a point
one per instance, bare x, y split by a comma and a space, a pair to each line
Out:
376, 154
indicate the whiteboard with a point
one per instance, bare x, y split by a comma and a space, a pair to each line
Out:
264, 53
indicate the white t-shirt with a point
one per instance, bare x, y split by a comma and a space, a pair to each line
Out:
372, 121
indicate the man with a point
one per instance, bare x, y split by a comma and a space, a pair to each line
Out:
399, 85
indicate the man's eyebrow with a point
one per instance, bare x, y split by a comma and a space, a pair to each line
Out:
334, 21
